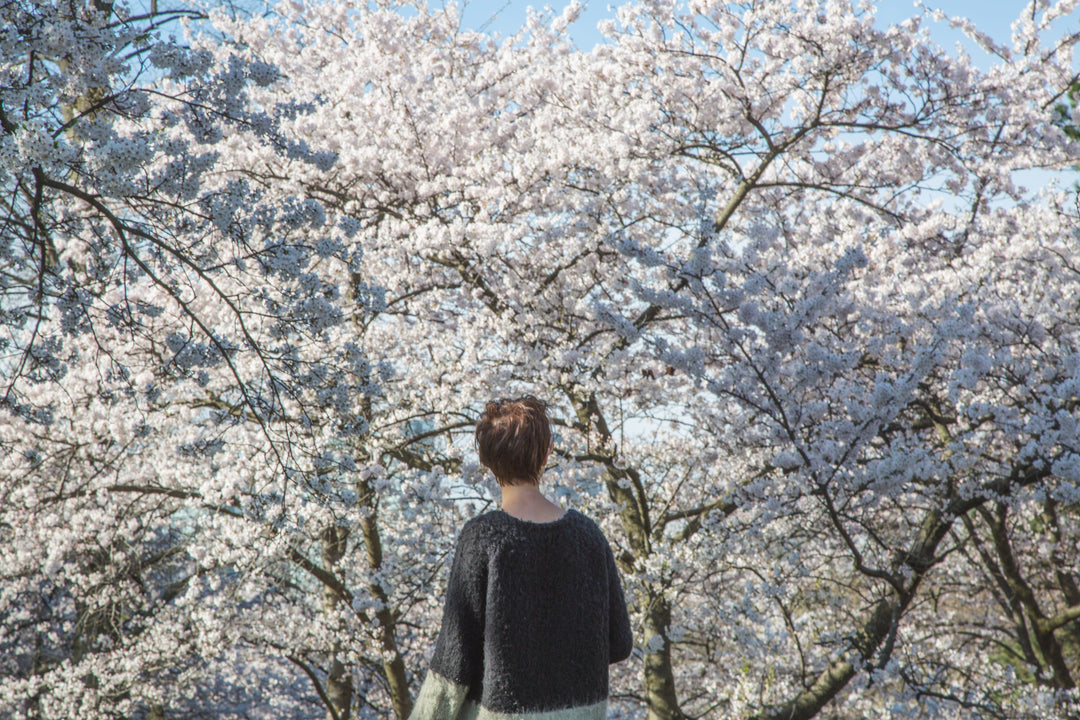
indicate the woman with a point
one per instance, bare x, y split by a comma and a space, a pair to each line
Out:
534, 608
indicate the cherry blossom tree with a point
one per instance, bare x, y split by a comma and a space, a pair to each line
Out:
811, 349
174, 372
798, 198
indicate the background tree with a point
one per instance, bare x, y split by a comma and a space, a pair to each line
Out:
174, 387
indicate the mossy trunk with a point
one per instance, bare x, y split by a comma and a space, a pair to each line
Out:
660, 695
339, 681
393, 665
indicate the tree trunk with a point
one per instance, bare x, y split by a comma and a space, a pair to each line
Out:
626, 490
660, 693
877, 632
339, 682
1049, 647
393, 664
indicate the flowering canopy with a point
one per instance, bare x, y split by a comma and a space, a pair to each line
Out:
812, 351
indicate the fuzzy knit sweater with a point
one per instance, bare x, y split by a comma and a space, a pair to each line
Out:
534, 615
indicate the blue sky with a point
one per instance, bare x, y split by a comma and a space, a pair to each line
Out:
991, 16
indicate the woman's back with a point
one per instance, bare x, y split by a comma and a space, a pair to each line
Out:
534, 615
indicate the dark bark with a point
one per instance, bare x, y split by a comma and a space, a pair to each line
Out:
393, 664
624, 486
339, 682
871, 643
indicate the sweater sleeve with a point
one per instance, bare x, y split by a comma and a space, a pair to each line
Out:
457, 663
621, 641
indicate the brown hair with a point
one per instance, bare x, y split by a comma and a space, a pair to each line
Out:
513, 438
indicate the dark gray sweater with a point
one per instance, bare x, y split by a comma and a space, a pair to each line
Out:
534, 615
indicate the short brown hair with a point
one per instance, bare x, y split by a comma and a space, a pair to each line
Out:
513, 438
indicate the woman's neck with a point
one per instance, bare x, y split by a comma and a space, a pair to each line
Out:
526, 502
